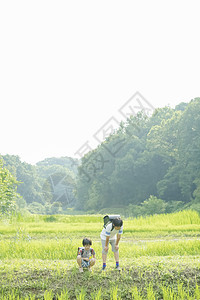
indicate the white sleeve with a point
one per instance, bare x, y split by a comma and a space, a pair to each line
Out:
108, 229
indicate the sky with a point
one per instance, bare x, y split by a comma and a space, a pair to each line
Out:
68, 68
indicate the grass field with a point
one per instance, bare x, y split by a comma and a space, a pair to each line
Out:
159, 258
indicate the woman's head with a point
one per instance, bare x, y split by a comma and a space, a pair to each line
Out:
117, 222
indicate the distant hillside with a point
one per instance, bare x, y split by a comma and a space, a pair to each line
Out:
65, 161
47, 187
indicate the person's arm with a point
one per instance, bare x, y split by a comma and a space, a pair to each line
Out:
79, 253
93, 255
85, 258
106, 244
117, 241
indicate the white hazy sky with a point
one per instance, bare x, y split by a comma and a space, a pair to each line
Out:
66, 67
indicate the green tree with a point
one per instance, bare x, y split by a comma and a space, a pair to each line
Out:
67, 162
156, 156
8, 186
153, 205
58, 185
181, 106
189, 149
36, 208
104, 180
30, 184
162, 141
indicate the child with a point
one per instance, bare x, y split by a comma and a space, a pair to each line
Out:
85, 253
108, 235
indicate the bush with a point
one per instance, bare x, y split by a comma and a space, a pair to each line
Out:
56, 208
153, 206
174, 206
50, 219
36, 208
195, 206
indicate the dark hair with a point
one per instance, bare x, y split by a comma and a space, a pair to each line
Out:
117, 222
86, 241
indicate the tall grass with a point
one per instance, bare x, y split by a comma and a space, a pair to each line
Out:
185, 223
67, 250
179, 218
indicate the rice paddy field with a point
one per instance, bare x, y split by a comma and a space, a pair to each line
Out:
159, 258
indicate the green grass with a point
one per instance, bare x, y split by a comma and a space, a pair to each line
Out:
67, 249
142, 276
159, 257
186, 223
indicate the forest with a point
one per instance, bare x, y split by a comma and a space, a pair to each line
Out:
149, 165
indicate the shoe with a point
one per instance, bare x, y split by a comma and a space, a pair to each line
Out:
118, 268
103, 269
81, 270
89, 270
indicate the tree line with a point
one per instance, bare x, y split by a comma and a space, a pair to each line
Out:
45, 188
150, 164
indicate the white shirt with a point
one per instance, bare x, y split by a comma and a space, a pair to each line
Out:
112, 234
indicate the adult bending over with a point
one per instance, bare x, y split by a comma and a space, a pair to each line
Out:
111, 234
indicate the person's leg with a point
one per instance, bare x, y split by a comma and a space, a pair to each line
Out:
79, 261
92, 262
104, 254
104, 257
116, 254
